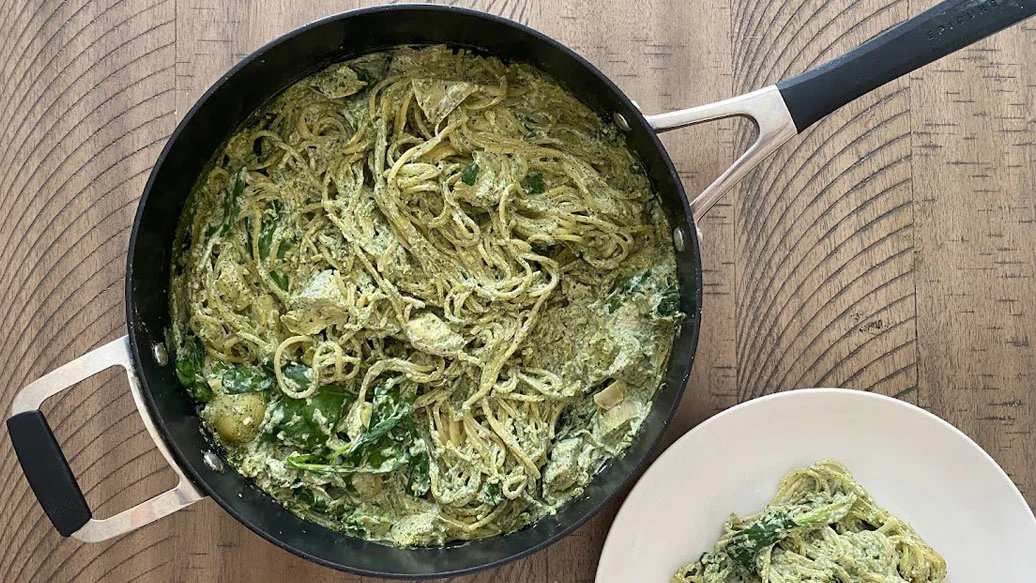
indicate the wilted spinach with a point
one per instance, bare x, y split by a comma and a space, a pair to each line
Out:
668, 303
280, 279
190, 368
242, 378
310, 500
391, 443
297, 376
469, 174
492, 493
535, 182
625, 287
632, 283
747, 544
268, 229
366, 76
230, 204
417, 474
575, 419
267, 233
307, 423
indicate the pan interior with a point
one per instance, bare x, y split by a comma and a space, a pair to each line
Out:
227, 105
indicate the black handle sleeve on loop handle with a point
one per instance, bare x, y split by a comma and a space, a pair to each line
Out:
48, 472
933, 34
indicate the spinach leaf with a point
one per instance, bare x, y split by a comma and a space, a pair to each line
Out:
491, 493
576, 419
189, 361
190, 368
630, 284
668, 303
389, 410
391, 443
266, 239
268, 229
469, 174
367, 77
242, 378
307, 423
535, 182
280, 279
624, 287
297, 376
230, 203
745, 545
284, 247
774, 525
310, 499
417, 475
364, 523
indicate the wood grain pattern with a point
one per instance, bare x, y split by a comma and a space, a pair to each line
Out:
890, 248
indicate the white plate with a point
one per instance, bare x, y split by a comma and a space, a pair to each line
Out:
916, 465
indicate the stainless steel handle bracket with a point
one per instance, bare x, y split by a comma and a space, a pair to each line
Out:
765, 107
115, 353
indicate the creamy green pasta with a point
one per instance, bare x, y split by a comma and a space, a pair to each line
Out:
821, 527
423, 296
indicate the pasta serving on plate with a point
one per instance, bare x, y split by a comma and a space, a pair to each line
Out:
821, 526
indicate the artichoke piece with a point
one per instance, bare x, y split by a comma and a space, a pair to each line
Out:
236, 418
438, 98
611, 395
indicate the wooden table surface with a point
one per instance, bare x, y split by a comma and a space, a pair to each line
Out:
889, 249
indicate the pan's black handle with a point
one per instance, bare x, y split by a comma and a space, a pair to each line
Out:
47, 471
937, 32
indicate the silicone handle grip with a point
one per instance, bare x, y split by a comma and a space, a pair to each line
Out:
48, 472
935, 33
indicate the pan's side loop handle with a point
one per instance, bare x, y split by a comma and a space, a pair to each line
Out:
47, 470
765, 107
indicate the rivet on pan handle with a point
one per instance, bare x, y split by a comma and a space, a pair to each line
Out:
47, 470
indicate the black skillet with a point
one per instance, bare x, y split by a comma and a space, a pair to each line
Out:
780, 112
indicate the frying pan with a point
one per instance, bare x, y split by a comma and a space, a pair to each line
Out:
779, 112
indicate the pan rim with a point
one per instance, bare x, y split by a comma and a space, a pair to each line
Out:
633, 116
